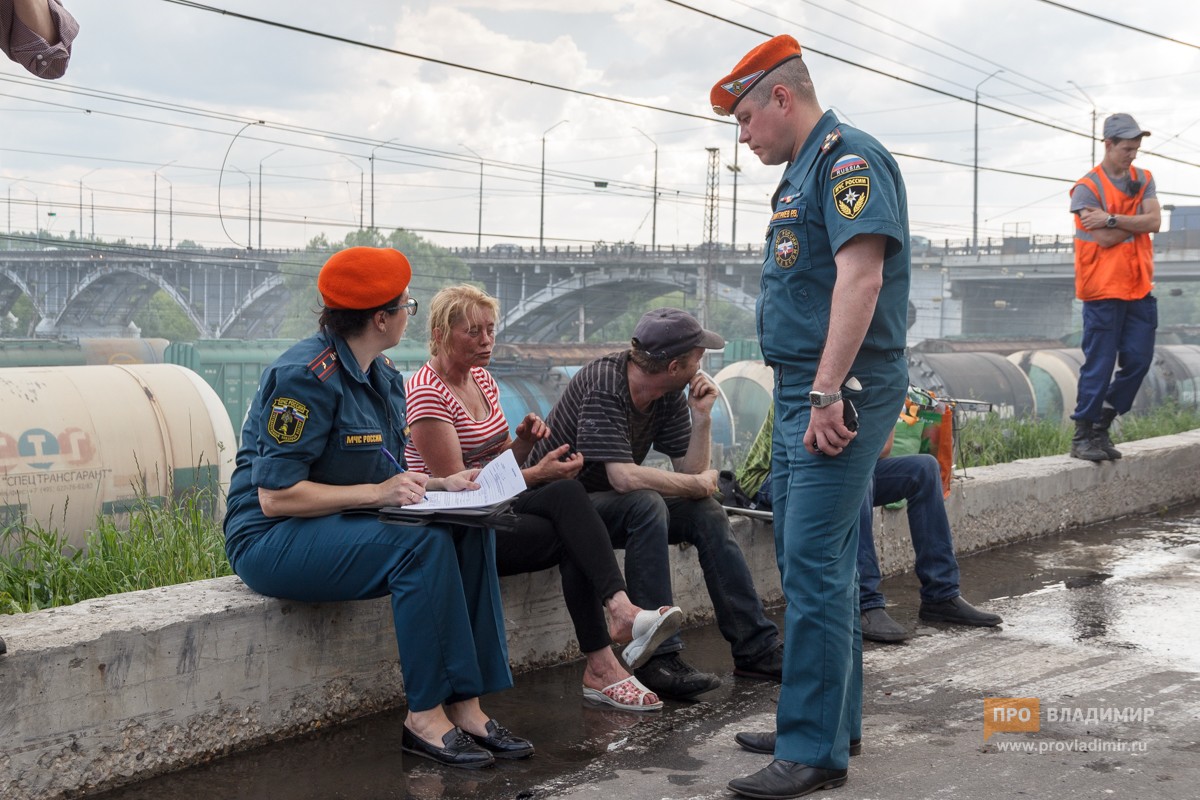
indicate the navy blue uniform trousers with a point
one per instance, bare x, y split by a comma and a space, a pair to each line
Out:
442, 581
816, 504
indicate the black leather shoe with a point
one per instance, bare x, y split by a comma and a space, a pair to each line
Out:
458, 749
671, 677
502, 742
879, 627
783, 779
763, 742
958, 611
768, 667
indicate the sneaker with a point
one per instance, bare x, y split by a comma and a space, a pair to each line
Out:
670, 676
767, 667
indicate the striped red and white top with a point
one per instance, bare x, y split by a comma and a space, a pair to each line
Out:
481, 440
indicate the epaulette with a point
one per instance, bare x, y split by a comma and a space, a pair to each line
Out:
831, 140
325, 364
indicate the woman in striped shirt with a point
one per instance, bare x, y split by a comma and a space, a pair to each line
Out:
457, 423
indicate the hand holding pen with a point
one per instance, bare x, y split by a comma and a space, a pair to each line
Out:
404, 488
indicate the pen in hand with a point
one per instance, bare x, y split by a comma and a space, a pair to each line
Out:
399, 467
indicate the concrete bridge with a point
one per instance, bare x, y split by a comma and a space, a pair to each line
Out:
1017, 287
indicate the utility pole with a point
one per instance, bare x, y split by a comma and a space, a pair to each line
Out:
975, 204
1093, 104
654, 205
735, 169
479, 235
711, 205
542, 213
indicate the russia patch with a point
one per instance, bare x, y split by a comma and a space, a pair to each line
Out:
847, 164
850, 196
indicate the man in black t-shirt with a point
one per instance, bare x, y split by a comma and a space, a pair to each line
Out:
614, 410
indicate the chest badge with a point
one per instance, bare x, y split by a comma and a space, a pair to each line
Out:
850, 195
287, 420
787, 248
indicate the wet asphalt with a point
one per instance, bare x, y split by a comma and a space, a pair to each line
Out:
1100, 627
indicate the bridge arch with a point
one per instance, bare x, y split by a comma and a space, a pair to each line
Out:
109, 296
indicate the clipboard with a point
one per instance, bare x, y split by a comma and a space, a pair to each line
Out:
498, 516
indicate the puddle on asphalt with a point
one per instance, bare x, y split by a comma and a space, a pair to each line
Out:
1104, 585
1100, 586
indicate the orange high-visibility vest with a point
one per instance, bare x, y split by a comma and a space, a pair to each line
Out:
1124, 271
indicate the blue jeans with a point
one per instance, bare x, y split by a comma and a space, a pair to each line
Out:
916, 479
1116, 333
644, 523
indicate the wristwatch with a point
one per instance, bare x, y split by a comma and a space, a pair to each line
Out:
822, 399
1111, 222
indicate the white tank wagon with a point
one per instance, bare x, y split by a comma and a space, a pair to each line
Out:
80, 441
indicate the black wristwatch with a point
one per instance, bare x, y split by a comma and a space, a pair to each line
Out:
1111, 222
822, 399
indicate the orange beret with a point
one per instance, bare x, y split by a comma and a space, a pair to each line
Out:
363, 277
750, 70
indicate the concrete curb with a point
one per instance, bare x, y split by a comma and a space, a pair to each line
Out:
115, 690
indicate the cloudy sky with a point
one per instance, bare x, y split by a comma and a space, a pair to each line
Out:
159, 96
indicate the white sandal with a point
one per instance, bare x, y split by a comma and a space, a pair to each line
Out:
627, 695
650, 629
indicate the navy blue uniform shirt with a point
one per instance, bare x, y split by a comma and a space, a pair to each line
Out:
316, 416
842, 183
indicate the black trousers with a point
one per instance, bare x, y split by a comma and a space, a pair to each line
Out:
559, 525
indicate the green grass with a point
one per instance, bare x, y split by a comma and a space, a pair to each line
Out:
992, 440
158, 546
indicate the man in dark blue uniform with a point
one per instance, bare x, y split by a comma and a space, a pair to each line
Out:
831, 322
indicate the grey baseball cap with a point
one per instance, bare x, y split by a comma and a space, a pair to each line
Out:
1123, 126
671, 332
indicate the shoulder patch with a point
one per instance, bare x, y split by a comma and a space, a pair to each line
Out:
325, 364
850, 195
851, 162
287, 420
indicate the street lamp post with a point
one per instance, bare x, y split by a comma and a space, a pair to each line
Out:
372, 160
260, 163
81, 177
736, 170
170, 212
975, 204
542, 212
479, 235
249, 209
164, 166
361, 184
1093, 103
654, 206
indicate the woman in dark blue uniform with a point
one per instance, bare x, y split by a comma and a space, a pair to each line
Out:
315, 445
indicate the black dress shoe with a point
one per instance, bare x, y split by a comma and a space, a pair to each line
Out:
502, 742
879, 627
767, 667
783, 779
671, 677
763, 742
458, 749
958, 611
